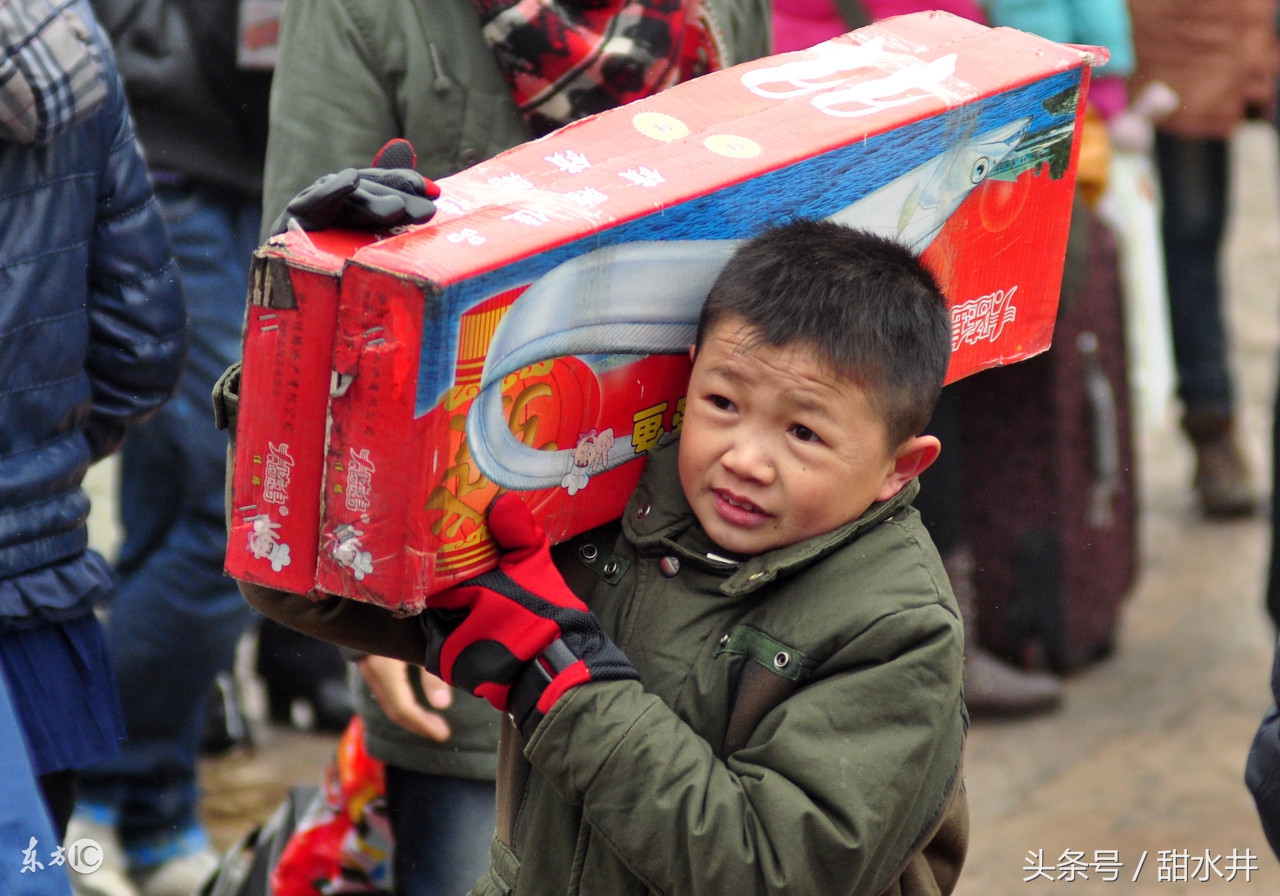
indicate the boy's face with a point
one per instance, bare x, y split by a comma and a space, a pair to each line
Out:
774, 448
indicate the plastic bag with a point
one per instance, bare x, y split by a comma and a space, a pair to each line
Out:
245, 869
1131, 207
343, 844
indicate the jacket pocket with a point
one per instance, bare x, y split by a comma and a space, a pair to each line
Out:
772, 671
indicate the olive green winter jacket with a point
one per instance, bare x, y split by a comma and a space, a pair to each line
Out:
846, 649
631, 786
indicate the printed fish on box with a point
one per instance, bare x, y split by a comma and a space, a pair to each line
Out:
534, 336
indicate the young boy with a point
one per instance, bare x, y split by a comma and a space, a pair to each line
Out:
760, 688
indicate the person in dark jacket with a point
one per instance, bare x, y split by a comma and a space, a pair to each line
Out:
199, 93
92, 337
1262, 770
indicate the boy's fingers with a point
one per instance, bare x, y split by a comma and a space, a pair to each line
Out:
388, 679
439, 692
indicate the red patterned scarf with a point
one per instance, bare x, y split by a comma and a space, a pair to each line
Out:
566, 59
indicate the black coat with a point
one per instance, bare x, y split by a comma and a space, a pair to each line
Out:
198, 113
1262, 771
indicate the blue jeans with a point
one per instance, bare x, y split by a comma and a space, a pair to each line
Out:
1193, 183
443, 828
176, 618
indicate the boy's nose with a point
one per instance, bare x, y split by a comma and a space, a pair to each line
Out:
749, 459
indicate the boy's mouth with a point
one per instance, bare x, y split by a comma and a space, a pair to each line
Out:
736, 509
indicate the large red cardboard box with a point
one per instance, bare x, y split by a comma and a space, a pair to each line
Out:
534, 335
290, 325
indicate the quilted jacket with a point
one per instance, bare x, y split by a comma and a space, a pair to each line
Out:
91, 315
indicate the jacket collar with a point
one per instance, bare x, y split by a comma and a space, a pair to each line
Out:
658, 520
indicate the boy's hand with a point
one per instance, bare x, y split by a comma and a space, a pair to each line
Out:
518, 636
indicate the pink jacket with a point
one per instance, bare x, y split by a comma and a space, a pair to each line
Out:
798, 24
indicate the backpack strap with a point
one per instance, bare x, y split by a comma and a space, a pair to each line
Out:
933, 866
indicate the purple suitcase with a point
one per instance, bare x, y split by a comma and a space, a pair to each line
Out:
1050, 503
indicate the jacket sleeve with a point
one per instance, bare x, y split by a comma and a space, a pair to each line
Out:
353, 74
1106, 23
357, 626
1262, 770
745, 26
828, 796
1097, 22
137, 316
329, 108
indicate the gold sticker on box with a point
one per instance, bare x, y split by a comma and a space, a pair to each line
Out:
666, 128
733, 146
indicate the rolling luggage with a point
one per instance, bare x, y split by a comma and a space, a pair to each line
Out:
1050, 491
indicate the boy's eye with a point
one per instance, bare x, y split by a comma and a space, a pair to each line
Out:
721, 403
804, 433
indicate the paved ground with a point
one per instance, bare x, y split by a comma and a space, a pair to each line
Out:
1147, 754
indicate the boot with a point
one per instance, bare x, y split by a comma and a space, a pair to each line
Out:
1222, 478
993, 687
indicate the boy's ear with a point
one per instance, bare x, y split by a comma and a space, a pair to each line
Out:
912, 458
693, 353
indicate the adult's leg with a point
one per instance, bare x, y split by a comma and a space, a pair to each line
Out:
443, 828
59, 790
1194, 185
1193, 181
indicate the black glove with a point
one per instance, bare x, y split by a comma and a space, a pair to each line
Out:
379, 198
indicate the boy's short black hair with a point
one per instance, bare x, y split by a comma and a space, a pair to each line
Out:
867, 306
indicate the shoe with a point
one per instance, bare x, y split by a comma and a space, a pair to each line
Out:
993, 687
1222, 479
181, 876
111, 877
